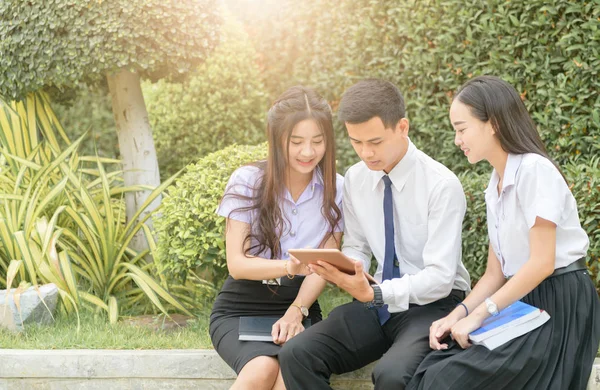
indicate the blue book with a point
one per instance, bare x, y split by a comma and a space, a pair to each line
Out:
514, 321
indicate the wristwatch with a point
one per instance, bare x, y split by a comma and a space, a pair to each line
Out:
492, 308
377, 297
303, 309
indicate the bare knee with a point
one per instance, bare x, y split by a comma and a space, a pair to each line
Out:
259, 373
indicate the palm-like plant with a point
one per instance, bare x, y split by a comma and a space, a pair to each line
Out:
99, 246
62, 223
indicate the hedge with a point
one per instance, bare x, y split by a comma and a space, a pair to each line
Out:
191, 235
91, 112
548, 49
221, 103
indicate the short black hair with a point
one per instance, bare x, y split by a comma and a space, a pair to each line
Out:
370, 98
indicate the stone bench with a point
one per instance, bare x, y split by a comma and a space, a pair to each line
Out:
142, 369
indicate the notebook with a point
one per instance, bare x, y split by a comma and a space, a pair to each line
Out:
259, 328
514, 321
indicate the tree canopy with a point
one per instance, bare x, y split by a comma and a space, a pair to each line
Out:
59, 43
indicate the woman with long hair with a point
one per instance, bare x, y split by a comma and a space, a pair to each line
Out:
537, 251
291, 200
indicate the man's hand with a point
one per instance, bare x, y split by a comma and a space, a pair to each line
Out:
356, 285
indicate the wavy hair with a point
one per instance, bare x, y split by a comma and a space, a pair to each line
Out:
292, 107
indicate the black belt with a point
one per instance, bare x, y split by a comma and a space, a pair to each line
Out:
574, 266
285, 281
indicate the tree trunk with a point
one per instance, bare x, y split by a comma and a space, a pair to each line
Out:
136, 145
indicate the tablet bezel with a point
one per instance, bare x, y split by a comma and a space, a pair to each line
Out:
332, 256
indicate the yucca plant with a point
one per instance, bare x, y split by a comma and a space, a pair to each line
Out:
25, 198
99, 246
27, 125
63, 223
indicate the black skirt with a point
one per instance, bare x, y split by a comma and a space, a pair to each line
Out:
557, 355
250, 298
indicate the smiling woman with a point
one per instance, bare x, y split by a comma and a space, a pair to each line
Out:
291, 200
305, 150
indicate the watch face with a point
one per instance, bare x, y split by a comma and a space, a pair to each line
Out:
491, 307
304, 311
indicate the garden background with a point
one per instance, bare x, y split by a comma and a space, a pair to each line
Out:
208, 72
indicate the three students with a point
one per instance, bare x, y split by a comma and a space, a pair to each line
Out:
406, 210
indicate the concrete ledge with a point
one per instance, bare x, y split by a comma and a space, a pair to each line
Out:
143, 369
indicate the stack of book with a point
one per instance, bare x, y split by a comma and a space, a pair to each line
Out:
514, 321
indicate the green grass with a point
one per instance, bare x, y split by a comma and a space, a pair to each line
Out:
96, 333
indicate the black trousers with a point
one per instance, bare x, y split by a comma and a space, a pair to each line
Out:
351, 337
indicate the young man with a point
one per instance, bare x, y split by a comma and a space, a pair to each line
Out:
406, 210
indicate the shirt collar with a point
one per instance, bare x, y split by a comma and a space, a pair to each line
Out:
317, 178
513, 162
399, 174
315, 182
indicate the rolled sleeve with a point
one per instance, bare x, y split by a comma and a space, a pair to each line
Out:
355, 244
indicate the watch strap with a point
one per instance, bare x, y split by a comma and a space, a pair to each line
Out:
377, 297
303, 309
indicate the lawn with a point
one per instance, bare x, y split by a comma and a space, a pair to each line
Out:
96, 333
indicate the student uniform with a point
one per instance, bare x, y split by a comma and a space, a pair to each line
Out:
559, 354
429, 280
305, 227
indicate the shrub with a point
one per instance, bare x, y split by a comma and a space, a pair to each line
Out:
584, 181
62, 220
474, 233
92, 113
191, 236
221, 103
549, 50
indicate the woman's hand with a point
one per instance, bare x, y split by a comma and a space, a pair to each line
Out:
288, 326
295, 267
440, 329
461, 330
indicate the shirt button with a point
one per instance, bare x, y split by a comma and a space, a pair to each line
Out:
294, 211
286, 254
293, 233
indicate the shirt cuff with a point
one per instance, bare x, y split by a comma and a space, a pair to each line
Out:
395, 295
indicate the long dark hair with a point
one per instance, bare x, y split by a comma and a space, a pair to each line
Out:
292, 107
490, 98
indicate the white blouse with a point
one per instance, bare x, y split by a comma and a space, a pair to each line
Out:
532, 187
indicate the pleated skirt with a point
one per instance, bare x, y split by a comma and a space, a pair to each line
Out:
557, 355
250, 298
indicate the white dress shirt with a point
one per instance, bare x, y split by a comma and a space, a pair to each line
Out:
429, 206
532, 187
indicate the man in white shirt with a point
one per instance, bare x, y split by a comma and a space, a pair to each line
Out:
406, 210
